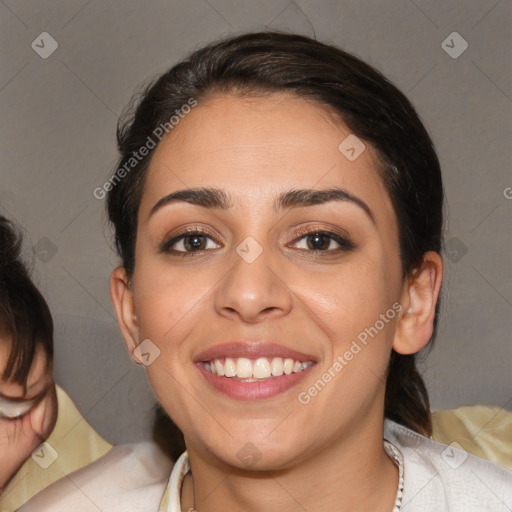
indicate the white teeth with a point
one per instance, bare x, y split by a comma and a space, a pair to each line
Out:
229, 368
261, 368
277, 367
219, 367
243, 368
288, 366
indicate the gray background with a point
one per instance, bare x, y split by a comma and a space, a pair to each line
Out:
57, 145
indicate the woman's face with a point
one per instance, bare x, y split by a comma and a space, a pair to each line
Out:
271, 276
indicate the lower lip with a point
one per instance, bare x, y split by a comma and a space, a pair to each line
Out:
253, 390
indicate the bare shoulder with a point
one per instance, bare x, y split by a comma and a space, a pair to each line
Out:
128, 477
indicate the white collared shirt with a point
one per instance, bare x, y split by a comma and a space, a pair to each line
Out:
138, 478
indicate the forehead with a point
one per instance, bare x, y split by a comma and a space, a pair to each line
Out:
256, 146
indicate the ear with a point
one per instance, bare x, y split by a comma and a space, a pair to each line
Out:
419, 297
122, 298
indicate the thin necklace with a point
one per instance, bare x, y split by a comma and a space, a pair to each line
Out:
396, 455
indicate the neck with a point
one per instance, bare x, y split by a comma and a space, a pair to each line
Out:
351, 473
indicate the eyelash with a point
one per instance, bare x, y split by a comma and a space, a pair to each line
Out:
166, 246
345, 244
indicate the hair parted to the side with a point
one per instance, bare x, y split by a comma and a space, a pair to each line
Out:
25, 319
369, 105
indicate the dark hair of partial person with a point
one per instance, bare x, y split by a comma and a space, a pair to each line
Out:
359, 96
25, 319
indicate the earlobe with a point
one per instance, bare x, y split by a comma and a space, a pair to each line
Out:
122, 299
419, 298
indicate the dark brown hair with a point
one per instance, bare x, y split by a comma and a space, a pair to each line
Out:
371, 107
25, 319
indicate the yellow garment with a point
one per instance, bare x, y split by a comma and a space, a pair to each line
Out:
164, 505
481, 430
76, 445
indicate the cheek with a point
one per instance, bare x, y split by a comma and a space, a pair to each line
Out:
167, 301
350, 298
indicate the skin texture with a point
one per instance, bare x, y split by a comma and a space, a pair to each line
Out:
21, 436
316, 302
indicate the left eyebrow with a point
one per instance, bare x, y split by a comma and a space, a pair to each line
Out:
296, 198
309, 197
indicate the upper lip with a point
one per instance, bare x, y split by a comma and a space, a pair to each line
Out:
251, 350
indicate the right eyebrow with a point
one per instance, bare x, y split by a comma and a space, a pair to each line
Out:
207, 197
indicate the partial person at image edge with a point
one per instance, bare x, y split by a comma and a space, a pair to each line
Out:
33, 409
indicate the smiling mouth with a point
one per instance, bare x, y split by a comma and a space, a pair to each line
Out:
243, 369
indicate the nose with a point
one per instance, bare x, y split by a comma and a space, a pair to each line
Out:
253, 291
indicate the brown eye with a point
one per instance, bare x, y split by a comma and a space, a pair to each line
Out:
189, 242
195, 242
322, 241
318, 241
